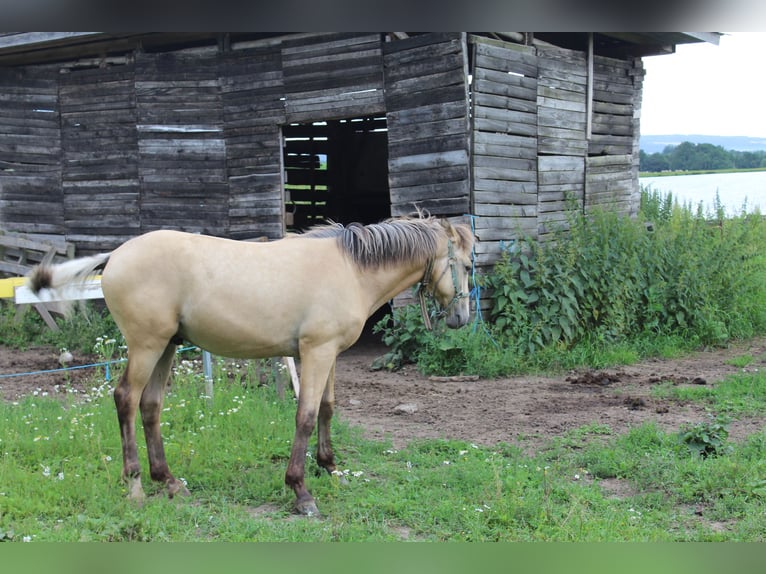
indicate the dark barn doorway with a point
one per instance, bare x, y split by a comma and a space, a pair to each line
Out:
337, 170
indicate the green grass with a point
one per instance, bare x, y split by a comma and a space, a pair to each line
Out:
60, 464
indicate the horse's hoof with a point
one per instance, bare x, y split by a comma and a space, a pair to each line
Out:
307, 507
177, 488
342, 480
136, 491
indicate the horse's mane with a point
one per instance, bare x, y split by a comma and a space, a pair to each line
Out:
395, 240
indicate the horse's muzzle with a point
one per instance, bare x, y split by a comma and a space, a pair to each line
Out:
457, 319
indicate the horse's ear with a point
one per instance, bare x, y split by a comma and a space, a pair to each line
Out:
465, 237
459, 233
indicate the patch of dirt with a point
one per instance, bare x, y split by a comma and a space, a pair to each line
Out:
39, 370
527, 411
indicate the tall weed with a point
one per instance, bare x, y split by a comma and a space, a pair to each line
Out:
607, 289
611, 278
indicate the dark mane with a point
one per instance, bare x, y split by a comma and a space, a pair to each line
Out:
391, 241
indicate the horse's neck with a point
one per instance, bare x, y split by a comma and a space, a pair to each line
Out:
385, 283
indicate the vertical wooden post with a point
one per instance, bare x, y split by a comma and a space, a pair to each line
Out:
207, 369
589, 95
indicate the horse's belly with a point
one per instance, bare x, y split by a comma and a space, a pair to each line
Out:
235, 340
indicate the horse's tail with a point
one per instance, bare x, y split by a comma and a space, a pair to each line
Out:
56, 276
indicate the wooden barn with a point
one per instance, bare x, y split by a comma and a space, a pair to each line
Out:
105, 136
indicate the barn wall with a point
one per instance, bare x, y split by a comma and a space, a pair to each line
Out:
505, 145
100, 160
332, 77
532, 155
427, 112
252, 91
31, 197
193, 140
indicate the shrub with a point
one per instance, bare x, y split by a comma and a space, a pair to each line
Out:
609, 278
671, 276
707, 438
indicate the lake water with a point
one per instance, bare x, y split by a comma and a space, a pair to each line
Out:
733, 189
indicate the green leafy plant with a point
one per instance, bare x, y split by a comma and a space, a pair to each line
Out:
707, 438
606, 278
405, 334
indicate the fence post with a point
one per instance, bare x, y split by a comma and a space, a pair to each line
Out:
207, 369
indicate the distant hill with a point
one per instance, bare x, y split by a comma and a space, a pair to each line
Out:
655, 144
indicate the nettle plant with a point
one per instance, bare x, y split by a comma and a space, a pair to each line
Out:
706, 438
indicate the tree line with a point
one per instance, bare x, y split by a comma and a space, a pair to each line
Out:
689, 156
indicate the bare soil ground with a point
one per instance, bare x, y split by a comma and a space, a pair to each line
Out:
527, 410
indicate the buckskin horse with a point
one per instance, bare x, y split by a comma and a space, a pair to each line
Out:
306, 295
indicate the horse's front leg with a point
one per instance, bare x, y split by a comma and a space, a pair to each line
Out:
315, 369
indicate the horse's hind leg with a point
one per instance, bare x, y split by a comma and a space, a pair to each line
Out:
151, 407
325, 455
127, 395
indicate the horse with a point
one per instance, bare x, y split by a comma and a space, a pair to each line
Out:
306, 295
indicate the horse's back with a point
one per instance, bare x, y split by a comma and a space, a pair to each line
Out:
228, 296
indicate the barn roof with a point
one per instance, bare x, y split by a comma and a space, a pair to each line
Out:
20, 48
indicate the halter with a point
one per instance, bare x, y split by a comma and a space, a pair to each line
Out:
425, 284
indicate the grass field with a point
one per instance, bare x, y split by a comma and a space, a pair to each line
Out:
60, 463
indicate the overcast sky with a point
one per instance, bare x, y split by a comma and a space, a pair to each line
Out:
708, 89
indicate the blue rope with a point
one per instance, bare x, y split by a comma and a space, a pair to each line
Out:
102, 364
476, 290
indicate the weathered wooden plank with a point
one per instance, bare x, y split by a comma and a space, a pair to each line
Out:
401, 76
441, 206
615, 160
506, 89
509, 196
506, 210
504, 186
333, 43
509, 59
334, 106
398, 99
436, 144
430, 191
504, 103
423, 46
515, 164
562, 133
506, 127
480, 149
429, 161
413, 178
409, 132
556, 145
610, 144
504, 140
561, 162
484, 175
505, 115
427, 113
